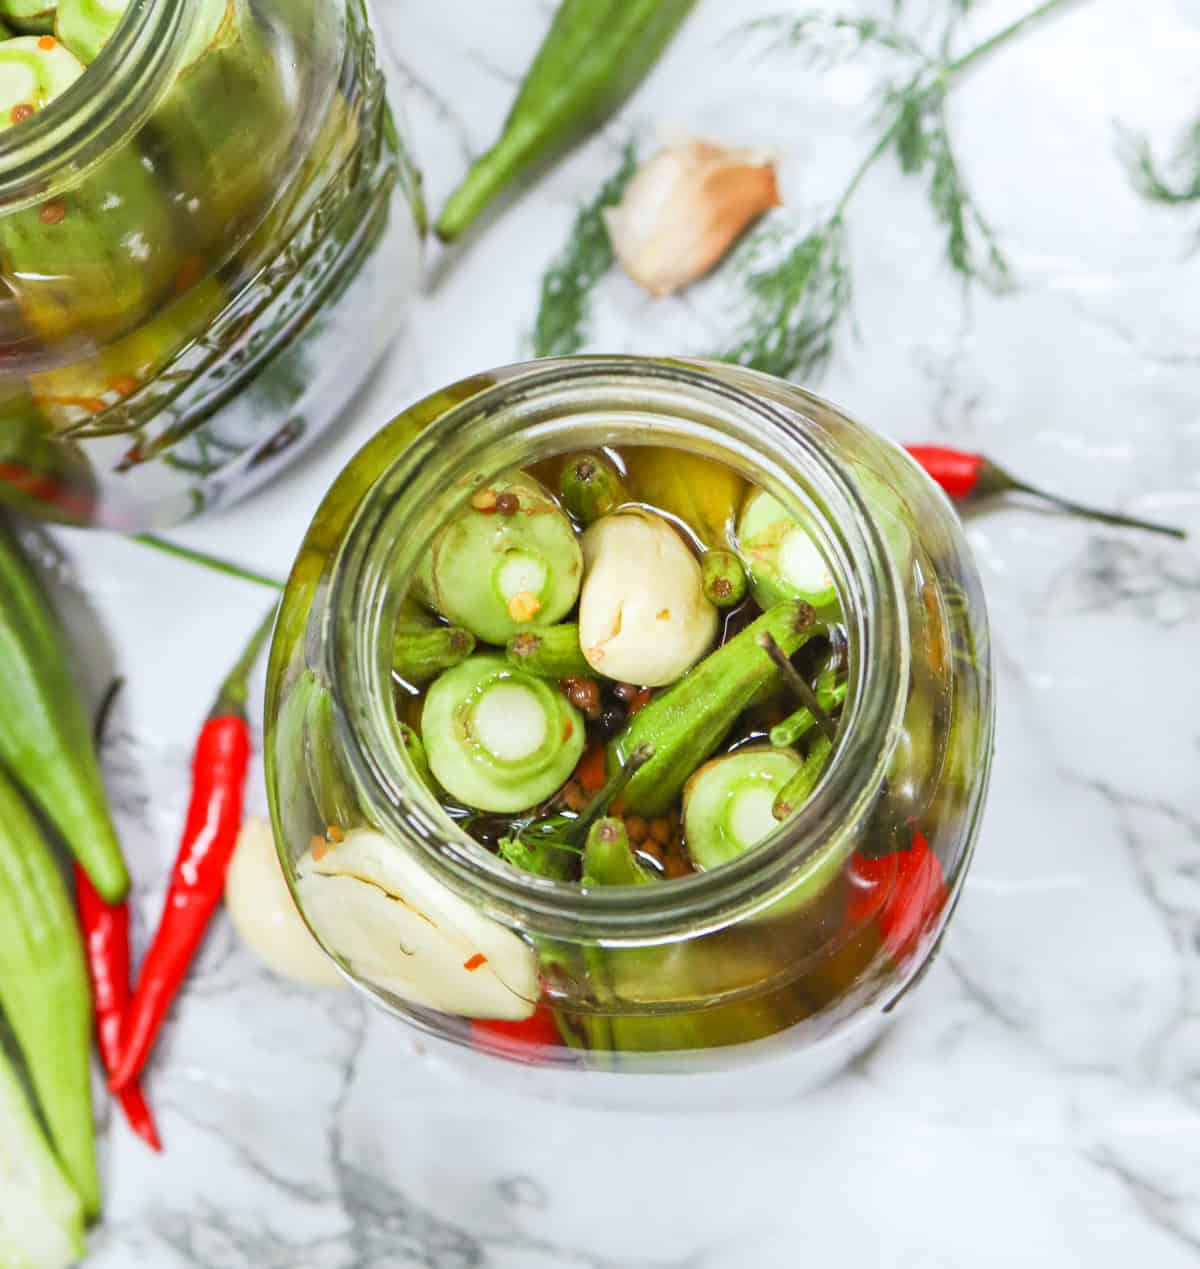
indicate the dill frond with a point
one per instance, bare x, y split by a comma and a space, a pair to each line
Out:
1178, 182
971, 246
797, 301
560, 327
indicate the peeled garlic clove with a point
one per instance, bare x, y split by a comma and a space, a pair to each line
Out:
401, 929
264, 914
685, 208
643, 615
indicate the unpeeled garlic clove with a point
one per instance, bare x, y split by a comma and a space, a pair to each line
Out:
684, 209
643, 614
264, 915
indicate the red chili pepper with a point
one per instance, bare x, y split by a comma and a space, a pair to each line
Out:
591, 773
906, 890
968, 477
522, 1039
106, 942
198, 879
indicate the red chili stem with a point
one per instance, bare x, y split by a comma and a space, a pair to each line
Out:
214, 817
967, 477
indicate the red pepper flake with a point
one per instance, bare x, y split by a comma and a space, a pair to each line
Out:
47, 42
318, 848
474, 962
53, 212
190, 272
334, 833
640, 701
21, 112
568, 729
123, 385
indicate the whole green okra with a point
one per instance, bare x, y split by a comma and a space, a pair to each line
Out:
593, 57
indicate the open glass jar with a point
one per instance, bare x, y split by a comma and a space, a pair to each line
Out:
791, 951
206, 239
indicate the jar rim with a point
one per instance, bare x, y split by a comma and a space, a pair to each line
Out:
359, 672
104, 104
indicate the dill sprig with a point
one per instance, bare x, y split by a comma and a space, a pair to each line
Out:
797, 305
799, 295
560, 328
1175, 182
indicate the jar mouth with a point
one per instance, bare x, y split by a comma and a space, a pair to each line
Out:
582, 403
104, 104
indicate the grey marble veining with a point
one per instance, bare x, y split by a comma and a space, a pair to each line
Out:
1038, 1100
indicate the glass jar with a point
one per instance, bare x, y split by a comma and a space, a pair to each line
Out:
205, 243
788, 957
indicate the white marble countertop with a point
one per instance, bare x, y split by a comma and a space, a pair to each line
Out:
1038, 1102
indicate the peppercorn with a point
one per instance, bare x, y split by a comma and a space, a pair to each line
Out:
584, 694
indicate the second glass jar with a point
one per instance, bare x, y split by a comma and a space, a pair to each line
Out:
206, 241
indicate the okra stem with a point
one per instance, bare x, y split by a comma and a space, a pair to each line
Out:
724, 578
552, 653
590, 487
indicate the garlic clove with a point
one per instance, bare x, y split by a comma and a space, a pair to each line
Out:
684, 209
643, 614
264, 914
403, 930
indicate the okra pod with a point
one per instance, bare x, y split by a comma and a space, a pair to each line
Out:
41, 1219
45, 735
553, 653
593, 57
608, 858
796, 792
796, 726
687, 722
590, 487
724, 578
44, 989
418, 656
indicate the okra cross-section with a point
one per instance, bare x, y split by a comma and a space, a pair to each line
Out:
499, 739
507, 561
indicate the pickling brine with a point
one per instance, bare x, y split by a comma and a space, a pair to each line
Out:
628, 716
208, 216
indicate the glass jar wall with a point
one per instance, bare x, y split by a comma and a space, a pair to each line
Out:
789, 949
205, 242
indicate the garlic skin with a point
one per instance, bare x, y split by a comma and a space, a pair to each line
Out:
264, 915
399, 927
643, 614
684, 209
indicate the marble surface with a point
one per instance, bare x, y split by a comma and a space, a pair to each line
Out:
1038, 1101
